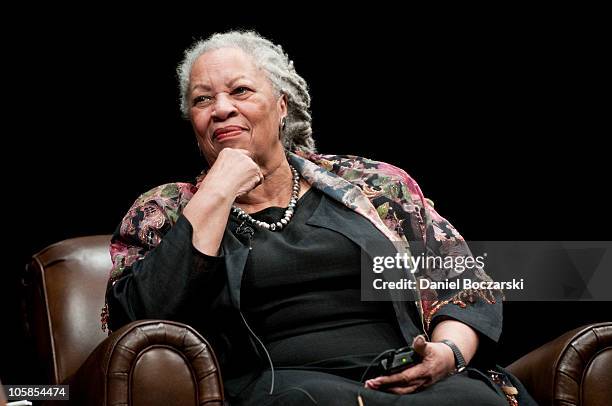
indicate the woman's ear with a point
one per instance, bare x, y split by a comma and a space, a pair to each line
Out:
282, 105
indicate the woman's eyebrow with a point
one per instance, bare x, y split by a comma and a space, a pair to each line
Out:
236, 79
206, 88
201, 86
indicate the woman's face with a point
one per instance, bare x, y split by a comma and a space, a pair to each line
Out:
233, 104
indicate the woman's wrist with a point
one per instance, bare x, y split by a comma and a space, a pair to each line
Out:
217, 191
458, 360
462, 335
449, 358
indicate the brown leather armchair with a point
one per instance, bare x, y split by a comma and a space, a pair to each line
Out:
148, 362
159, 362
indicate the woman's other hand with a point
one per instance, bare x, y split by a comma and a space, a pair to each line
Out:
437, 362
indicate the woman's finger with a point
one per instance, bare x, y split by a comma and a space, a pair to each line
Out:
402, 390
404, 378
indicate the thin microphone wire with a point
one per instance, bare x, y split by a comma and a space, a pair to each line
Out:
375, 360
265, 350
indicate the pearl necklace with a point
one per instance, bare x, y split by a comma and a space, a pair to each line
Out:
279, 225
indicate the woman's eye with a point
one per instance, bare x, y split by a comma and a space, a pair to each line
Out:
203, 99
240, 90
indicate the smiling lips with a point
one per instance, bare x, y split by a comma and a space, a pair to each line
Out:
225, 132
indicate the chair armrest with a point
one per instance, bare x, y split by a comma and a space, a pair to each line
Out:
573, 369
150, 362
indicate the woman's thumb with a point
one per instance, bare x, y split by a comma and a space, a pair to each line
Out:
419, 343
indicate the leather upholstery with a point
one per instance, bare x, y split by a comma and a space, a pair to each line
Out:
574, 369
150, 362
147, 362
67, 284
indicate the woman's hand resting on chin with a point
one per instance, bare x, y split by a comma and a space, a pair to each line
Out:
234, 171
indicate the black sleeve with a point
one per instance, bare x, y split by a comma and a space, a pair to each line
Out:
485, 318
174, 281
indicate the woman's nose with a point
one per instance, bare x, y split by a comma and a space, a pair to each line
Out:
223, 108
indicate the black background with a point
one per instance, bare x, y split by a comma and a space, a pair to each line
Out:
500, 120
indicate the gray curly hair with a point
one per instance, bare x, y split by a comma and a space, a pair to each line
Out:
297, 133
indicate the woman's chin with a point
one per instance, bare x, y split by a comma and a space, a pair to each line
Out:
234, 141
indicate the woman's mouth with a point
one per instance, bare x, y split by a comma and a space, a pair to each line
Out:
221, 134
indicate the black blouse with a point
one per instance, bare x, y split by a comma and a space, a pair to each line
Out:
301, 295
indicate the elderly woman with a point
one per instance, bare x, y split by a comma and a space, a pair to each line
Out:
263, 254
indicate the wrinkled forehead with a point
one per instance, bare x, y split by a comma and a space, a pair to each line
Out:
224, 65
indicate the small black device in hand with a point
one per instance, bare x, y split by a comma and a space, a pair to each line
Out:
397, 360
